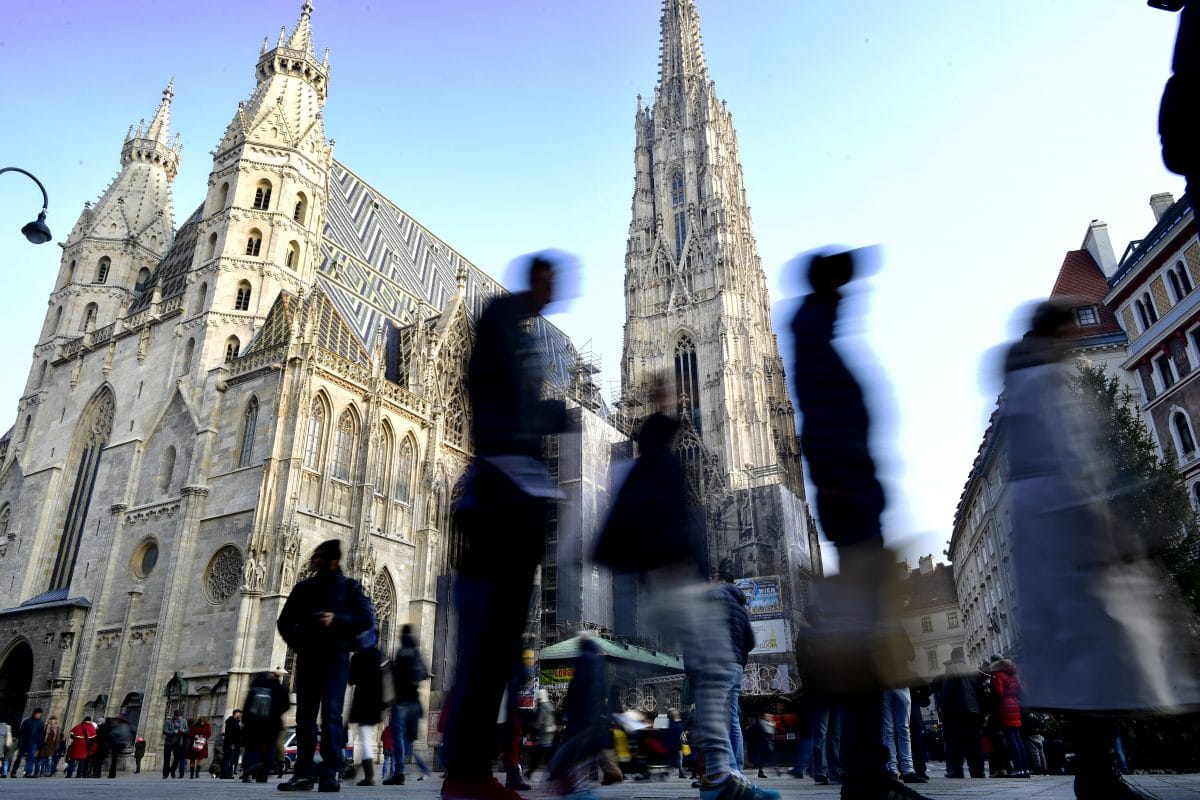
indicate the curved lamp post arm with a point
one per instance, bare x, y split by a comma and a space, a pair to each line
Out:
36, 232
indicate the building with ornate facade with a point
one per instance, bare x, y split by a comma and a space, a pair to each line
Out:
1154, 295
697, 309
208, 403
981, 544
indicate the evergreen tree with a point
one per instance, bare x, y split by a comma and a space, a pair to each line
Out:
1147, 492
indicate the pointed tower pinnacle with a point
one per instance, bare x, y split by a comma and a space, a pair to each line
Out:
682, 48
162, 118
301, 38
152, 143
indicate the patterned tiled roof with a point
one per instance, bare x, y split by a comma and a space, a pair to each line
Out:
378, 263
171, 273
1080, 277
277, 328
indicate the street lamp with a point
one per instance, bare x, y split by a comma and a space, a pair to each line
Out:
36, 232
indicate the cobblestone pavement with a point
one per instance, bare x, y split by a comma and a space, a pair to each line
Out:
135, 787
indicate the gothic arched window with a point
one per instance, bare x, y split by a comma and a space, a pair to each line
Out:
89, 317
102, 269
687, 379
383, 460
212, 245
1183, 434
188, 351
201, 297
343, 445
383, 598
223, 197
312, 441
91, 437
5, 518
405, 464
262, 195
677, 212
254, 242
166, 471
233, 346
249, 423
242, 301
301, 209
142, 279
292, 257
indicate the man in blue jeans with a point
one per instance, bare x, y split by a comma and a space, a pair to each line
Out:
29, 739
324, 619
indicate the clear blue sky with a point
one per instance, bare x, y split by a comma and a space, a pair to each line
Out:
974, 141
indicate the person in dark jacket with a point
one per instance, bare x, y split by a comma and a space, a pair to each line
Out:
324, 619
741, 637
366, 676
262, 722
502, 516
960, 701
29, 739
588, 728
231, 742
120, 736
139, 752
835, 440
408, 672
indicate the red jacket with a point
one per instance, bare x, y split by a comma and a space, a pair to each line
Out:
82, 736
1006, 689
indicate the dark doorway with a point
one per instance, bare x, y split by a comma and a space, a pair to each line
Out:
131, 707
16, 673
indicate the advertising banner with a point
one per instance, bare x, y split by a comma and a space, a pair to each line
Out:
764, 596
771, 636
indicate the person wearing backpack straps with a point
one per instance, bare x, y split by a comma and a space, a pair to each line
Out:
408, 670
262, 721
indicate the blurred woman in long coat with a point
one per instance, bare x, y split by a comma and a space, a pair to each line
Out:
1097, 636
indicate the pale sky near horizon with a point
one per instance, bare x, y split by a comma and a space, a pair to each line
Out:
973, 141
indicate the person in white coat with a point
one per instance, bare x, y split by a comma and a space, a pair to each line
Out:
1097, 637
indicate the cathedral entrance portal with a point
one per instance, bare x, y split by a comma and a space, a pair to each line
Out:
16, 674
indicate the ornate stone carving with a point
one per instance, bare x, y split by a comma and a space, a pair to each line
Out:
254, 571
223, 576
149, 513
142, 634
66, 641
108, 638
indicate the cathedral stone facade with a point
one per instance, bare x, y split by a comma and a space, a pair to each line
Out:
208, 404
698, 311
209, 401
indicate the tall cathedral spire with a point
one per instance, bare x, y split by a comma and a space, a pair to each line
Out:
696, 299
682, 48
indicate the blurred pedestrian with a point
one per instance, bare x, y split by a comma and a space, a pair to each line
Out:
502, 517
139, 752
175, 743
30, 737
366, 676
546, 729
231, 744
897, 736
385, 745
408, 672
959, 693
266, 702
856, 654
1006, 689
325, 618
1100, 636
8, 746
1177, 113
741, 639
759, 742
199, 735
120, 736
920, 694
82, 736
587, 728
52, 738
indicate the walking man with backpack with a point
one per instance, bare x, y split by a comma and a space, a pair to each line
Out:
408, 670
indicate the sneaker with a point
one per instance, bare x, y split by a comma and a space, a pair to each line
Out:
912, 777
482, 789
879, 789
395, 780
330, 786
821, 780
297, 785
735, 787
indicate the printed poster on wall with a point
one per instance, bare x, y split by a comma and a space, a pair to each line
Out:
764, 598
771, 636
